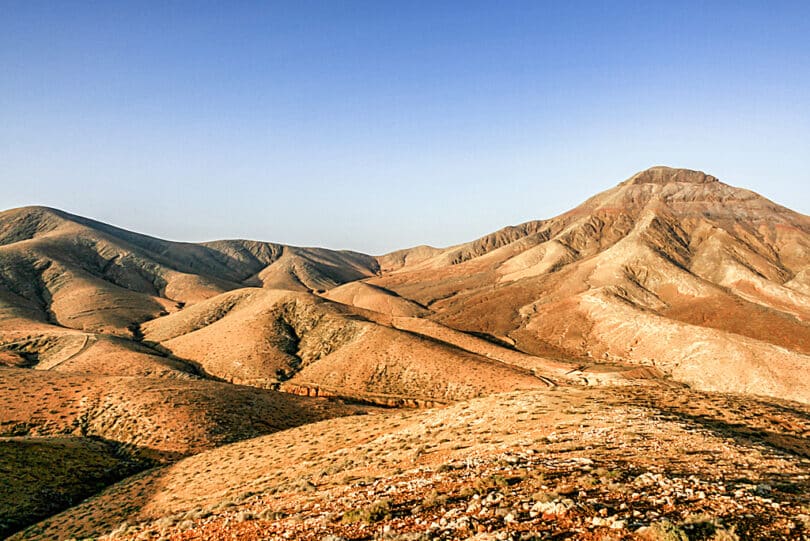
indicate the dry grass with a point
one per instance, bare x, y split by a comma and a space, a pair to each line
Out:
160, 418
572, 442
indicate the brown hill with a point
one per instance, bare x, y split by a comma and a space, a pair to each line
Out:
589, 464
369, 297
59, 271
266, 337
64, 437
671, 269
78, 273
155, 418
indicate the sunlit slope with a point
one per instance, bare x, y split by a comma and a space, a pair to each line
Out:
266, 337
671, 269
156, 417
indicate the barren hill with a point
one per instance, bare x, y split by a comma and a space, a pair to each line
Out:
671, 268
65, 436
266, 337
671, 271
369, 297
73, 291
82, 274
155, 418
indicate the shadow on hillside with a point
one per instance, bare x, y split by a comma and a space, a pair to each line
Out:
42, 477
786, 442
797, 410
194, 367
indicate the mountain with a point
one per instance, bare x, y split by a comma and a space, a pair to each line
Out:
271, 337
671, 268
81, 296
671, 274
73, 291
78, 273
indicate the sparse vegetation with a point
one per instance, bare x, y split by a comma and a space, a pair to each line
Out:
433, 499
665, 530
375, 512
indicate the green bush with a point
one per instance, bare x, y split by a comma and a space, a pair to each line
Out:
377, 511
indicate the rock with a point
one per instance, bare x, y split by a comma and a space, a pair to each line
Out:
556, 507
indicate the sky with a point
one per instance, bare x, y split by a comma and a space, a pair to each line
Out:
375, 126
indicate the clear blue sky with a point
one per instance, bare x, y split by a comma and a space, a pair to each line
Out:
379, 125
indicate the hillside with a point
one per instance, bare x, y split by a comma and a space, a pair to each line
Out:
74, 272
44, 476
582, 463
155, 417
73, 434
267, 337
671, 269
671, 272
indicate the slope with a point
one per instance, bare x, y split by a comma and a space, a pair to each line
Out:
369, 297
43, 476
268, 337
587, 463
59, 271
668, 255
155, 418
64, 437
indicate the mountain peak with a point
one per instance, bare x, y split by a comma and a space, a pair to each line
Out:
667, 175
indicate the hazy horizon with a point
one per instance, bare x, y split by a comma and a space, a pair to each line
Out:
374, 128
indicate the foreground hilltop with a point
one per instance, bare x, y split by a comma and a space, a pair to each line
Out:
651, 464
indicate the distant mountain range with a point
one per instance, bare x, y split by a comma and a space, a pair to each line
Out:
671, 275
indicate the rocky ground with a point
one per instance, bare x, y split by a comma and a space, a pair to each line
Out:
633, 463
528, 495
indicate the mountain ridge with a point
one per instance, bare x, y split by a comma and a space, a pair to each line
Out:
670, 249
657, 175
